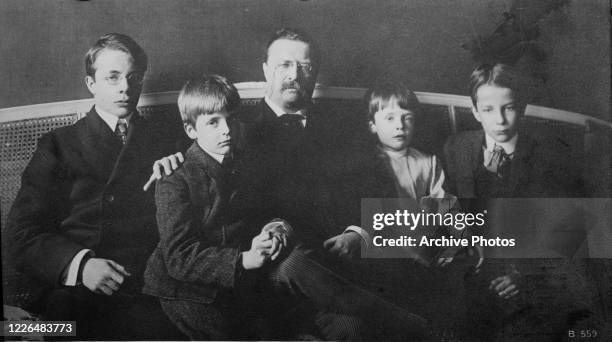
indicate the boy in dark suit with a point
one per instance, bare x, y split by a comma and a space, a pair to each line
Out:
198, 268
503, 161
81, 225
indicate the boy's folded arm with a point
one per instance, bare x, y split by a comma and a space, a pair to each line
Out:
190, 255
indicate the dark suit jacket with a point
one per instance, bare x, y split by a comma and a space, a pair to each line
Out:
293, 173
202, 231
83, 189
536, 170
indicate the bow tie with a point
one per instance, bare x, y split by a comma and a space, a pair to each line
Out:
292, 120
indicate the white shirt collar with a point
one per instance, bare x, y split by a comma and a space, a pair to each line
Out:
508, 146
394, 154
279, 111
110, 119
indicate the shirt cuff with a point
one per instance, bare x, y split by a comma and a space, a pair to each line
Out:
362, 233
73, 269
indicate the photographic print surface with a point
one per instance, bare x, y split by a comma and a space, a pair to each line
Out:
302, 210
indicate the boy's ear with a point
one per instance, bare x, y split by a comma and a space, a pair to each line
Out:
90, 82
372, 126
476, 114
190, 130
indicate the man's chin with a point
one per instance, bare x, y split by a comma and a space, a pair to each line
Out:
293, 100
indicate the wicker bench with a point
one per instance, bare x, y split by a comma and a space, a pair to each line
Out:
588, 140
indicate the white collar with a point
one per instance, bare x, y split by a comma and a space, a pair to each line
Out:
394, 154
508, 146
279, 111
110, 119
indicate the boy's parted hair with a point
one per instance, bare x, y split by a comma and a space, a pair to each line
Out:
116, 41
206, 94
503, 76
382, 94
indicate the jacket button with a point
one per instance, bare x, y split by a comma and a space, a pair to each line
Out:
109, 197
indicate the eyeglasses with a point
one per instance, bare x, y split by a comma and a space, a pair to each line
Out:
288, 65
115, 79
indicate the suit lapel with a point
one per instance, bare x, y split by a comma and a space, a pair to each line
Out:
100, 146
520, 163
256, 127
138, 150
220, 189
471, 162
477, 155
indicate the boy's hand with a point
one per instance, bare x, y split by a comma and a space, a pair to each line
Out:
344, 245
261, 246
167, 164
281, 232
103, 276
448, 255
444, 261
506, 286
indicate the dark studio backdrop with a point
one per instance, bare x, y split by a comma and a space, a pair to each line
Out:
430, 45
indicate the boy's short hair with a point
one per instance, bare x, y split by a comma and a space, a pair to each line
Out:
206, 94
116, 41
382, 94
503, 76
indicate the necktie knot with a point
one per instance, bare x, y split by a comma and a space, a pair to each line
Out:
121, 130
496, 160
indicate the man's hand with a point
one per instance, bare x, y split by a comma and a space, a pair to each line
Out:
260, 251
506, 286
103, 276
167, 164
344, 245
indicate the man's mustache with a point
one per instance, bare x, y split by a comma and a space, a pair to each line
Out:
292, 85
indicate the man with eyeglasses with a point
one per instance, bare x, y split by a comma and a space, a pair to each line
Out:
81, 226
299, 143
299, 149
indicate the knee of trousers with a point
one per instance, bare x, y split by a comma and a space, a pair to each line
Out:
290, 269
335, 326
